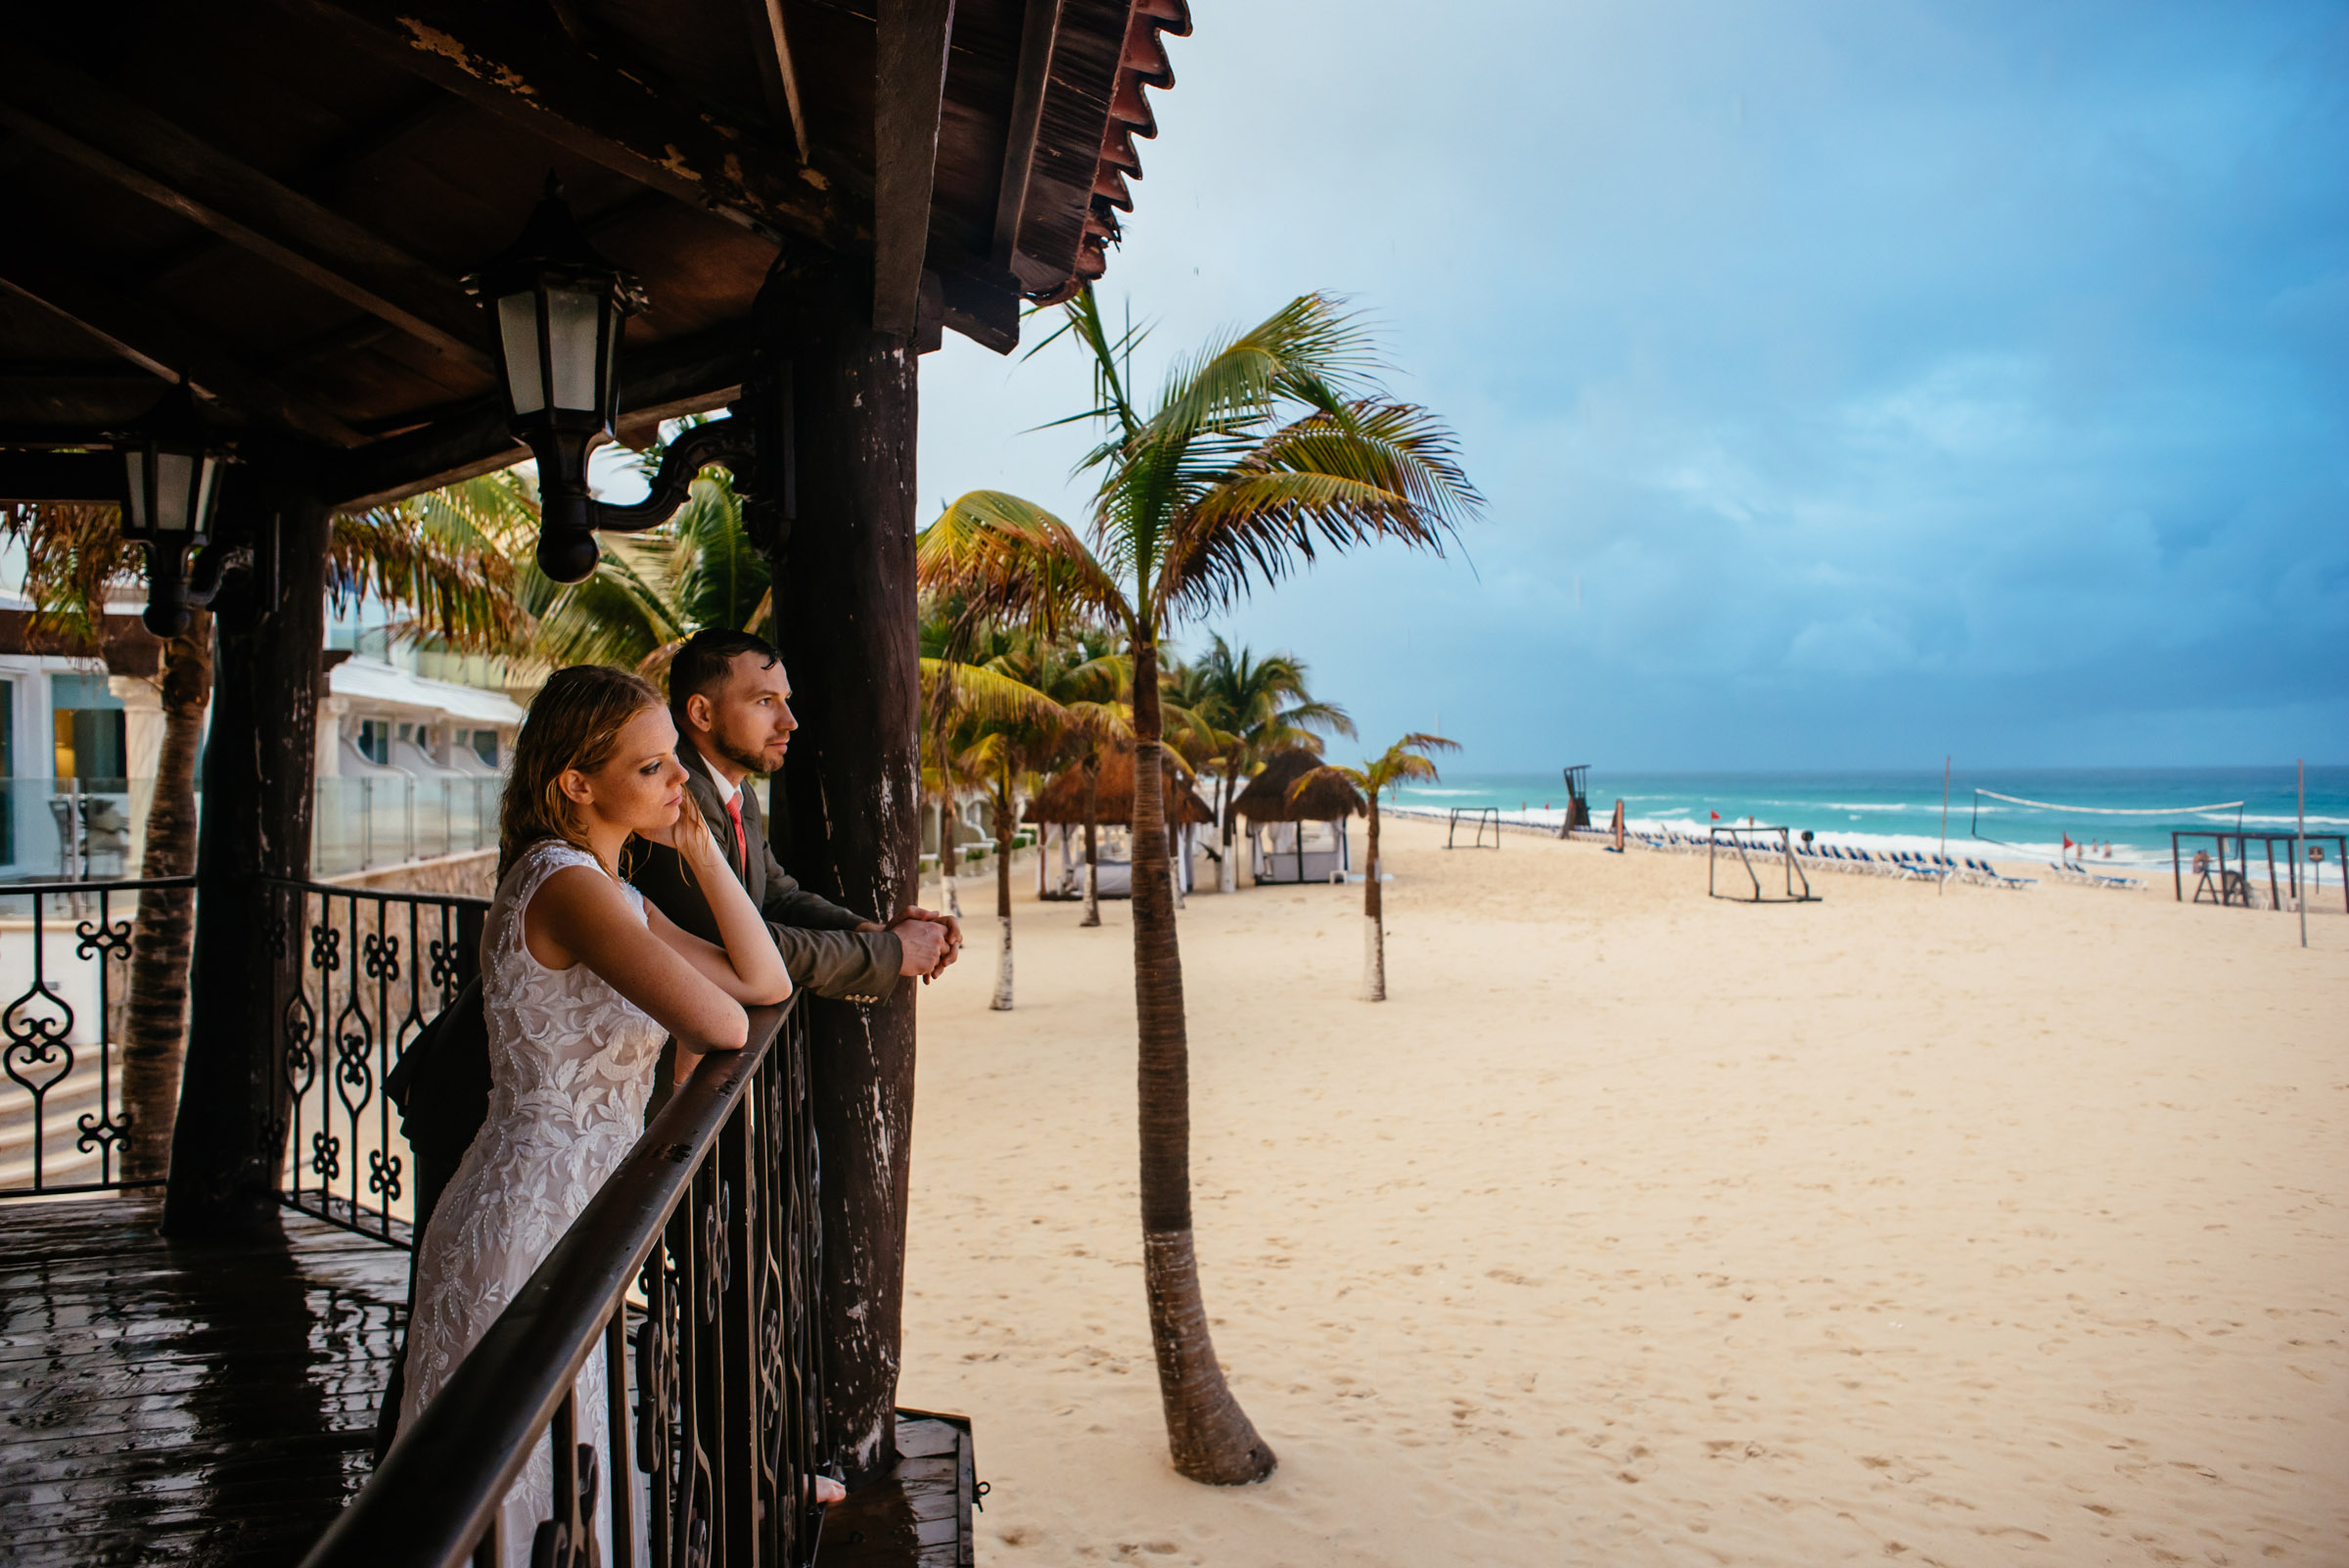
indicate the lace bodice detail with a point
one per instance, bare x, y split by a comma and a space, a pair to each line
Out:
571, 1069
564, 1046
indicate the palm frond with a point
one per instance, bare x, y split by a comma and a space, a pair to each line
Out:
977, 691
1327, 480
1008, 559
457, 584
75, 560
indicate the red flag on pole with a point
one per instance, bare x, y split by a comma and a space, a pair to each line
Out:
1716, 817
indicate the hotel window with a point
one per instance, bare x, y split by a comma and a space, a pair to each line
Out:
407, 734
484, 746
375, 740
86, 728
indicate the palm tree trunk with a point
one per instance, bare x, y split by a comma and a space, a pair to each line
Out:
1001, 1000
1208, 1433
1375, 921
1093, 864
1227, 870
949, 899
155, 1029
1166, 782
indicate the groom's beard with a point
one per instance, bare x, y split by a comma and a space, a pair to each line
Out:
747, 761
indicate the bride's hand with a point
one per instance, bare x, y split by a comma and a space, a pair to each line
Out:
694, 843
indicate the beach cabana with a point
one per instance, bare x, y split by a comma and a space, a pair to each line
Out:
1300, 838
1059, 811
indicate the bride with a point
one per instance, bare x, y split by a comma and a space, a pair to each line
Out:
581, 981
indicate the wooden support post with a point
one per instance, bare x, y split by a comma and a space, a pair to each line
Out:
846, 821
257, 764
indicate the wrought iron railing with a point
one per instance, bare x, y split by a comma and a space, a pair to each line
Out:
65, 951
711, 1428
360, 973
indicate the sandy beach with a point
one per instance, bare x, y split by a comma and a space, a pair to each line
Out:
1964, 1227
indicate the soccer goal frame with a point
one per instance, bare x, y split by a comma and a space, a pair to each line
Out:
1733, 838
1483, 816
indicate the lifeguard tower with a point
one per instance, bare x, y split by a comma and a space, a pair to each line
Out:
1577, 798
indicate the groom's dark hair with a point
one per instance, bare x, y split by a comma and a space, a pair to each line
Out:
707, 658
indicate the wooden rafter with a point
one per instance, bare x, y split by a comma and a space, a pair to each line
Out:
150, 339
778, 74
909, 89
1036, 30
109, 135
534, 77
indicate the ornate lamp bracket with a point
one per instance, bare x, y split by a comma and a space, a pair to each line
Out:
730, 441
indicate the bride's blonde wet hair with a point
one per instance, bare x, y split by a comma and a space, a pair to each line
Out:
575, 722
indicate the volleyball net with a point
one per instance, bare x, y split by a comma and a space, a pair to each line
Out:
2069, 830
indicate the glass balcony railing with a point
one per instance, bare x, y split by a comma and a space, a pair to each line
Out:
361, 824
95, 830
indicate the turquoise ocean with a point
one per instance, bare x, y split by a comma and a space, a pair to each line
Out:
1904, 811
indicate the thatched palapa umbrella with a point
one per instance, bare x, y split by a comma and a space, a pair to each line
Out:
1061, 804
1268, 799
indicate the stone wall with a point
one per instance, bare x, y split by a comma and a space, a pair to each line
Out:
471, 875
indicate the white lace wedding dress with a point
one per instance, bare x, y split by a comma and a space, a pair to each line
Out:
570, 1064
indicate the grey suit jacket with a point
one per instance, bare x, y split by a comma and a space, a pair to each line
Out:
819, 941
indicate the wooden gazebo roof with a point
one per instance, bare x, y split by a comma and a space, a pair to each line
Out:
1266, 798
274, 199
1063, 799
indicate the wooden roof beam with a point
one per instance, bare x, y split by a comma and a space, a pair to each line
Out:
150, 339
60, 476
1034, 74
686, 375
909, 94
98, 130
532, 77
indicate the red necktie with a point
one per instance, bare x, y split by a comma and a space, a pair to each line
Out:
742, 842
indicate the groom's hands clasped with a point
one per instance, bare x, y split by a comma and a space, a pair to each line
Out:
931, 940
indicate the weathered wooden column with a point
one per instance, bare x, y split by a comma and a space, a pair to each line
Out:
271, 623
846, 821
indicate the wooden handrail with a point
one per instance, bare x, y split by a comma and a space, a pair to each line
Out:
435, 1498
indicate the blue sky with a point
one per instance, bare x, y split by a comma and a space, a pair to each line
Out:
1850, 383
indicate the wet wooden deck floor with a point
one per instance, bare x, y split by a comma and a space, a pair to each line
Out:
216, 1405
179, 1405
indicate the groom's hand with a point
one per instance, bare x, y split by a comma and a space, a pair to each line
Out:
952, 925
925, 944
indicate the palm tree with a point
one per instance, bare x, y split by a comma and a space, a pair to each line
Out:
1265, 447
985, 725
457, 582
1265, 706
1405, 762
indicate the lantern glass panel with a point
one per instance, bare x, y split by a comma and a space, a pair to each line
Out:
174, 488
138, 488
201, 519
572, 318
518, 327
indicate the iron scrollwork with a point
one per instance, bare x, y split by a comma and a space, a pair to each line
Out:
57, 1045
375, 969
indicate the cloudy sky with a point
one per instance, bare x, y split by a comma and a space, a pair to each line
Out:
1849, 383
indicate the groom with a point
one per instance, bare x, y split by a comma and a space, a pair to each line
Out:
731, 702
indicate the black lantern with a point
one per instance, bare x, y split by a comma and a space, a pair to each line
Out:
171, 480
559, 307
